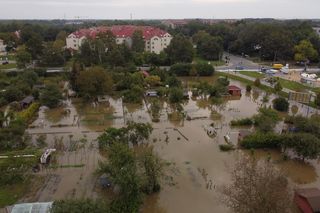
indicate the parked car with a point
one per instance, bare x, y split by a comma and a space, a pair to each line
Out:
5, 62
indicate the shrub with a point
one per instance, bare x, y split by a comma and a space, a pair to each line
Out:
226, 147
181, 69
248, 88
27, 114
257, 82
242, 122
281, 104
204, 69
260, 141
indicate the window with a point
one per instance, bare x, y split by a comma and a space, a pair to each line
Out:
75, 45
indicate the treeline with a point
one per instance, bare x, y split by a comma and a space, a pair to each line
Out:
269, 40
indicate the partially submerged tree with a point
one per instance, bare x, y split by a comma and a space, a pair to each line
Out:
257, 187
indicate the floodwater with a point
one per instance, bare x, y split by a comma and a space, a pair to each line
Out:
195, 165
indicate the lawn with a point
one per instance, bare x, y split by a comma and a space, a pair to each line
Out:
293, 85
248, 82
252, 74
8, 66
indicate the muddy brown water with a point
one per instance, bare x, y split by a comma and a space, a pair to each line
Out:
195, 165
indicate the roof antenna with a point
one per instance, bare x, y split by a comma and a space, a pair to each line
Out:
131, 16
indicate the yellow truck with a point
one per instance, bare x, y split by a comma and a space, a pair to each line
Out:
277, 66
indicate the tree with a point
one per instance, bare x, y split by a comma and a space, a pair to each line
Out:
204, 69
181, 69
34, 45
208, 47
51, 96
305, 51
256, 186
134, 133
175, 95
278, 87
123, 172
180, 50
138, 42
23, 58
153, 80
53, 54
248, 88
79, 206
281, 104
153, 168
94, 82
257, 82
305, 145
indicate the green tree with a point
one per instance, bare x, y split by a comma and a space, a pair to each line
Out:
208, 47
79, 206
138, 42
51, 96
23, 58
123, 172
305, 51
175, 95
204, 69
281, 104
180, 50
34, 45
278, 87
94, 82
305, 145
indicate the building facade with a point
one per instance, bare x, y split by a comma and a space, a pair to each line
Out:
317, 30
156, 40
2, 46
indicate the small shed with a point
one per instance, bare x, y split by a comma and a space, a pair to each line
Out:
234, 90
27, 101
152, 93
308, 199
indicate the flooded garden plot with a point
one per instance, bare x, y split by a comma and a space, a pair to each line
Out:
196, 166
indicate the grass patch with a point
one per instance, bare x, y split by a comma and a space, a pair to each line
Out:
8, 66
252, 74
251, 83
293, 85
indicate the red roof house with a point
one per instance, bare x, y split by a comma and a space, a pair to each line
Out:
234, 90
308, 200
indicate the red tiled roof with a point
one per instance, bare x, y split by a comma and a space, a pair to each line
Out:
233, 87
121, 31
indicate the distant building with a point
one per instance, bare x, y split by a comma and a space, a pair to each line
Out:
317, 30
2, 46
156, 40
173, 24
308, 200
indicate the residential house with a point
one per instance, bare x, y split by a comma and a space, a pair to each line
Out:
156, 40
234, 90
317, 30
2, 46
26, 102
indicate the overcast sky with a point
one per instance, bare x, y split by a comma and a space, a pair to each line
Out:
158, 9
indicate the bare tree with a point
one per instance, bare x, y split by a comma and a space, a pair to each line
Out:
257, 186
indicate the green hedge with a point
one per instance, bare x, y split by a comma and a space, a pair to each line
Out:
27, 114
261, 140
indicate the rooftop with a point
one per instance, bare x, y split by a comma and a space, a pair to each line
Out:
121, 31
312, 195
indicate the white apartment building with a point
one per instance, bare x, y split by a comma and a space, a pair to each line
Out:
156, 40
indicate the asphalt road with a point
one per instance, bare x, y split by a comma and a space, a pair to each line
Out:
236, 61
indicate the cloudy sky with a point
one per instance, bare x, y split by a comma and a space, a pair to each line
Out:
155, 9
